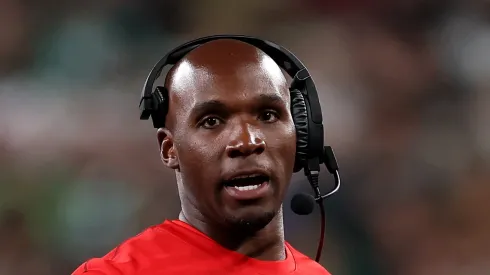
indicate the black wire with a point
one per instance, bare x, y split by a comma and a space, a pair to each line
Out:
322, 231
319, 199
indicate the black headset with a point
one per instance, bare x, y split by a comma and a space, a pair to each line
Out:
305, 110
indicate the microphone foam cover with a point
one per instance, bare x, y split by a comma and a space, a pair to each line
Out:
302, 204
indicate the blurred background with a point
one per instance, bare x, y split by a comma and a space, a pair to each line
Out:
404, 87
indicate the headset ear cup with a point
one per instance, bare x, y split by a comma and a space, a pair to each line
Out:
159, 115
300, 118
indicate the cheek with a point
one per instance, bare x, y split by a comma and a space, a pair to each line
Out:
194, 148
197, 159
291, 143
285, 145
201, 149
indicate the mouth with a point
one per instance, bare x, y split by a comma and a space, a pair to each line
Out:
247, 186
247, 182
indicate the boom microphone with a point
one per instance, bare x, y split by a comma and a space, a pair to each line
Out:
302, 204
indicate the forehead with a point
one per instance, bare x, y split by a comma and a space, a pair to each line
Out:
192, 84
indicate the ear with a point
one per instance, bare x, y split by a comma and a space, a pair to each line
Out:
168, 153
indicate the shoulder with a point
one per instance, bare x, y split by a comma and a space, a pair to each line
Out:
97, 266
133, 254
305, 265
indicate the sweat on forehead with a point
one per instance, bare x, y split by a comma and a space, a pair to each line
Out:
224, 62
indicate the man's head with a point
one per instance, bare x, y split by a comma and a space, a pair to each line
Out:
229, 117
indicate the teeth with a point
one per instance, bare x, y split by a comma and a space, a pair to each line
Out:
246, 188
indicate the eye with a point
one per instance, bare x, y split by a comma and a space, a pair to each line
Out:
269, 116
210, 123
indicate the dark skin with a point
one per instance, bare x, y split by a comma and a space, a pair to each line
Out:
229, 111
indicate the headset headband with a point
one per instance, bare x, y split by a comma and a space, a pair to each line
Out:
284, 58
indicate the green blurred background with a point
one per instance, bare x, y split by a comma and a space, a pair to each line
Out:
404, 87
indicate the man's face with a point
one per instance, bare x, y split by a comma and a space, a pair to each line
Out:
233, 139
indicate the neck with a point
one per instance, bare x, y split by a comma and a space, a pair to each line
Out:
266, 244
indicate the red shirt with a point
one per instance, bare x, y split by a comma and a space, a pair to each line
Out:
175, 247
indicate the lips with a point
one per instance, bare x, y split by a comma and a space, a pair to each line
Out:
247, 185
246, 181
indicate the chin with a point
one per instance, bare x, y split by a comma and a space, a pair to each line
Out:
251, 219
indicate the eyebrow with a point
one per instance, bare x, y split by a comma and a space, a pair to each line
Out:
217, 106
206, 107
267, 99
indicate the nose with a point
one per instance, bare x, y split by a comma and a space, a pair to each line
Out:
245, 141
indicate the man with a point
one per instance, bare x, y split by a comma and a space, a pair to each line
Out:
231, 140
